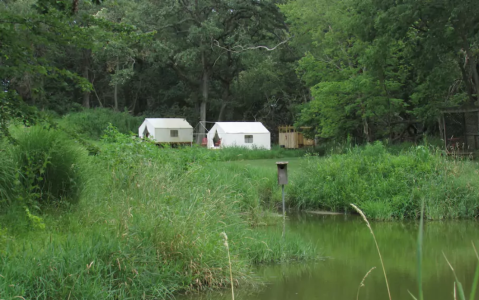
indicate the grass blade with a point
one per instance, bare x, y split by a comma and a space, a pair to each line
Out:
476, 276
362, 281
412, 295
458, 283
419, 252
377, 246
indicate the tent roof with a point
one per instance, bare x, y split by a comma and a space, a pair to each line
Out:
242, 127
175, 123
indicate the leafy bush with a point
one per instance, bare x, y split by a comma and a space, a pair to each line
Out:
93, 122
49, 165
387, 186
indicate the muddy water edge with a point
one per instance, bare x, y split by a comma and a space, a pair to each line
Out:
351, 253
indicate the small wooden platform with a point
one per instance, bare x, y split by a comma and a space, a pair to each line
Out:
325, 213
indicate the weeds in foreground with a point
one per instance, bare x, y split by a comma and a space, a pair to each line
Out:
225, 238
377, 246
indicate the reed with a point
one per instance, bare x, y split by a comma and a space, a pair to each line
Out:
476, 275
225, 238
377, 246
362, 281
419, 252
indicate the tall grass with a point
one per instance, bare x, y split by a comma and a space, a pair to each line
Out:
239, 153
7, 175
148, 226
388, 186
49, 164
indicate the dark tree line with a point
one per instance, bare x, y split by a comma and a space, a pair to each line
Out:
368, 69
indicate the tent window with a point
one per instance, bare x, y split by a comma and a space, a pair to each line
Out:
173, 133
248, 139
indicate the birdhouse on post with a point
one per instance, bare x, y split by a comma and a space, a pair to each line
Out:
282, 172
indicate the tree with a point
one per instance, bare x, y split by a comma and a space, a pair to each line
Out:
377, 67
28, 44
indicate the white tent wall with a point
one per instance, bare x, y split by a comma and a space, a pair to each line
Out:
160, 130
260, 140
185, 135
237, 139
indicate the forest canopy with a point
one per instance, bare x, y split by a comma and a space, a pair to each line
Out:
369, 69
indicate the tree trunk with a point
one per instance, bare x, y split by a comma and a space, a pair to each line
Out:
222, 111
473, 63
467, 82
204, 100
135, 100
86, 67
115, 92
226, 98
74, 7
366, 129
441, 127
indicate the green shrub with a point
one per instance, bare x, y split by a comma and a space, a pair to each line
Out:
49, 164
93, 122
387, 186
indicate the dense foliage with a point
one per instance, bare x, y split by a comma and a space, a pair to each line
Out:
203, 60
368, 69
377, 68
389, 186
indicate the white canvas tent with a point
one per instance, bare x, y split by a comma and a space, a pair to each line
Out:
239, 134
168, 130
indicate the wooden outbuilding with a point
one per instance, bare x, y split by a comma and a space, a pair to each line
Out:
293, 138
459, 128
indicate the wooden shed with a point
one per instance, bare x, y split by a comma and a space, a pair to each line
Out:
292, 138
460, 129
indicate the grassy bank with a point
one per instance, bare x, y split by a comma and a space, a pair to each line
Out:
389, 186
147, 225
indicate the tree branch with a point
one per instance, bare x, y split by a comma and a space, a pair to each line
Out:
243, 48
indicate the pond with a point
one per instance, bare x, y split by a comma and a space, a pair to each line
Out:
351, 253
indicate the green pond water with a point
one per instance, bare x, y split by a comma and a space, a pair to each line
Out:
350, 253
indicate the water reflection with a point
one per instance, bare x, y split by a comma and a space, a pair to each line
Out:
348, 243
